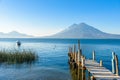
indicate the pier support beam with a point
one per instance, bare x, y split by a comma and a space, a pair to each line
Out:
93, 55
113, 62
78, 57
117, 68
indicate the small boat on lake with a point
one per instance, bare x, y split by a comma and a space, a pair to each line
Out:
18, 43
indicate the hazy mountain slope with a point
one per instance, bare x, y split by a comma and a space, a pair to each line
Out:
83, 30
14, 34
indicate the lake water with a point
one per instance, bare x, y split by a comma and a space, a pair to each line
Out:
53, 57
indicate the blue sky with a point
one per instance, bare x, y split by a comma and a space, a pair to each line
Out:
46, 17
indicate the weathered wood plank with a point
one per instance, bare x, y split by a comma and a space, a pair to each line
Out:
99, 72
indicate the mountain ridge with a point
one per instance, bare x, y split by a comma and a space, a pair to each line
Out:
14, 34
83, 30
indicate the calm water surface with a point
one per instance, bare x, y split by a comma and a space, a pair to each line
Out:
53, 57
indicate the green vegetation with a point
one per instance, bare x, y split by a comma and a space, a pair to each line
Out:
16, 56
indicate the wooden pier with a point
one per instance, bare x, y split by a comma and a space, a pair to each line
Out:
95, 70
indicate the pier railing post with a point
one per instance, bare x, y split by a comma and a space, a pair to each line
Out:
93, 55
113, 62
116, 62
101, 63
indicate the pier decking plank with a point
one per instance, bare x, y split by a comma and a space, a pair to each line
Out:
99, 73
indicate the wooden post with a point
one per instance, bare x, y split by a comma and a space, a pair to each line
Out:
83, 62
93, 55
79, 51
113, 62
83, 74
78, 44
69, 53
75, 56
81, 57
84, 57
101, 63
92, 77
117, 68
80, 54
72, 54
78, 59
89, 75
74, 49
78, 72
69, 50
